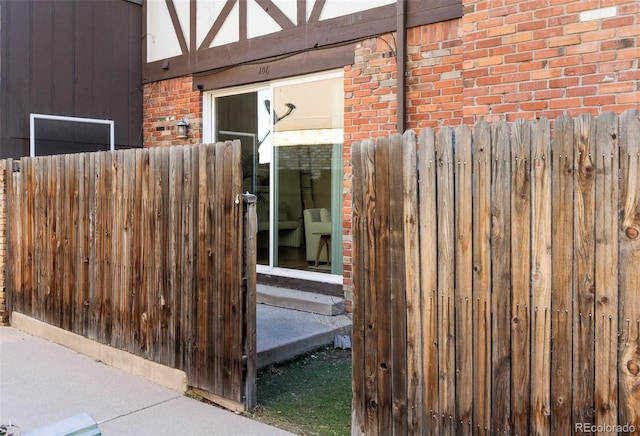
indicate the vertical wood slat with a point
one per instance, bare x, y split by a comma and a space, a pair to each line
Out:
463, 280
358, 413
249, 278
429, 280
501, 278
562, 279
80, 249
584, 265
370, 303
397, 366
215, 165
606, 270
629, 237
104, 246
238, 271
93, 308
40, 211
413, 296
482, 278
12, 227
190, 253
202, 303
380, 268
446, 283
174, 254
541, 278
115, 257
520, 276
29, 182
129, 243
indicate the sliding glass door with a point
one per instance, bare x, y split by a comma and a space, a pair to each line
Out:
291, 135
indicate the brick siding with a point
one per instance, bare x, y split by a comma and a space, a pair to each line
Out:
531, 59
165, 104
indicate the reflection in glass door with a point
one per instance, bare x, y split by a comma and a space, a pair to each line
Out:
246, 117
308, 173
308, 181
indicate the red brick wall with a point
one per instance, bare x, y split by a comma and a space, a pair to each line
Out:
434, 86
165, 104
541, 58
434, 97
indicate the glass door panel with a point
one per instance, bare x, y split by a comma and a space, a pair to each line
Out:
246, 117
308, 175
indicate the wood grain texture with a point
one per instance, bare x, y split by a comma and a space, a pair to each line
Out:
629, 237
501, 278
520, 276
446, 279
606, 269
463, 271
411, 259
482, 279
541, 279
562, 278
398, 280
429, 280
142, 250
358, 408
584, 269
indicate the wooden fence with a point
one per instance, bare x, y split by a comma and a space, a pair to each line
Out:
497, 279
142, 250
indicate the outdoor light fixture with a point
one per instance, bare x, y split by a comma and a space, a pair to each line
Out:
183, 128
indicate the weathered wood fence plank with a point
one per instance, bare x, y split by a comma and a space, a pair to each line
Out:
358, 328
501, 279
413, 298
541, 278
606, 270
584, 270
463, 279
562, 279
521, 302
429, 282
397, 284
445, 207
629, 237
482, 278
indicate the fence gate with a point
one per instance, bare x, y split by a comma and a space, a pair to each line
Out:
151, 251
496, 278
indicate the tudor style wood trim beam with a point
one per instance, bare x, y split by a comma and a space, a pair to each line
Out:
306, 36
302, 63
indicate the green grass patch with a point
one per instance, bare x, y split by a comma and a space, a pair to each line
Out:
308, 396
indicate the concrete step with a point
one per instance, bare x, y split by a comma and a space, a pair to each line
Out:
283, 334
300, 300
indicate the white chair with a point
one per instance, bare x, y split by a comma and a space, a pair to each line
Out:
316, 222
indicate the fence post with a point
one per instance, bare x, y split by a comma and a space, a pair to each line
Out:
249, 289
4, 314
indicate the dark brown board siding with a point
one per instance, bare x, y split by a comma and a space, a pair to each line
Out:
73, 58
